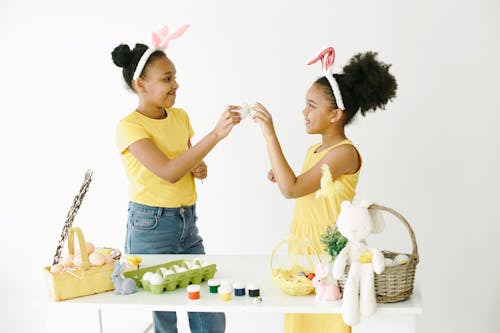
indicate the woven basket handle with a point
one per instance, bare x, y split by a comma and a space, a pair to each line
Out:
83, 246
286, 241
407, 225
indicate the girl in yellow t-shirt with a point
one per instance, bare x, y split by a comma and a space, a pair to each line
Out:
154, 142
331, 103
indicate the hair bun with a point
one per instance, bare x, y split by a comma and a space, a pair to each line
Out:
122, 55
369, 81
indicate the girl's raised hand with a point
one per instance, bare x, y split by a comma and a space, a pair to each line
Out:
226, 122
264, 119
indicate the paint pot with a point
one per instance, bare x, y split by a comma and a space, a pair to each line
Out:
239, 288
213, 285
225, 293
253, 290
193, 291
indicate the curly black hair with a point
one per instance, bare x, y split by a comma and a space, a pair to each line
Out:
365, 84
128, 59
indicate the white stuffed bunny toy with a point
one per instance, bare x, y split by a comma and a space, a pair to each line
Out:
356, 223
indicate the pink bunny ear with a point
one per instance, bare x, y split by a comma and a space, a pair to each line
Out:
179, 32
321, 271
327, 57
159, 36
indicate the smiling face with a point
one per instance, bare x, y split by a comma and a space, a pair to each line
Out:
318, 112
158, 84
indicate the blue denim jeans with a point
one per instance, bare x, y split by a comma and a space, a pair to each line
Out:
157, 230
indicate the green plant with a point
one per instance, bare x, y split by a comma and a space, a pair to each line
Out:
334, 241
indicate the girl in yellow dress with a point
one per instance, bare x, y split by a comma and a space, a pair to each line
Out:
331, 103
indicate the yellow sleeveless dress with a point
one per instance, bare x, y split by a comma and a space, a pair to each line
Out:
311, 217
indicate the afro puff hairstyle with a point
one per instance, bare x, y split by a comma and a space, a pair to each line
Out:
128, 59
365, 84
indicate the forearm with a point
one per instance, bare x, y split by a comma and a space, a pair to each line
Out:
181, 165
284, 175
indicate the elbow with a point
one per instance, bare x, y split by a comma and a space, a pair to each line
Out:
288, 193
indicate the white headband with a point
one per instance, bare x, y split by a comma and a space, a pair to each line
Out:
161, 39
327, 57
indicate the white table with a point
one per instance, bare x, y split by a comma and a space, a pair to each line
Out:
394, 317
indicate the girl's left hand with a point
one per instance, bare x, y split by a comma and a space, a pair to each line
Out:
200, 170
264, 119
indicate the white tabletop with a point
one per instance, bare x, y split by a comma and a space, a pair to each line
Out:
246, 268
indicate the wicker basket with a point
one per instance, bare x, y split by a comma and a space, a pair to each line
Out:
288, 279
396, 282
76, 283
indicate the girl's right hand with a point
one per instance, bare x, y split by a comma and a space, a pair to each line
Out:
263, 117
226, 122
270, 176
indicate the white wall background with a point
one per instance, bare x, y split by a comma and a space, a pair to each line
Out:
432, 154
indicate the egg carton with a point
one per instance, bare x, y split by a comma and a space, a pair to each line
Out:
172, 281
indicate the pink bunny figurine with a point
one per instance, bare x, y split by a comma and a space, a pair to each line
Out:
324, 291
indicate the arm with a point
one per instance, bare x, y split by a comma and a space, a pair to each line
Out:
172, 170
340, 263
341, 160
200, 170
378, 262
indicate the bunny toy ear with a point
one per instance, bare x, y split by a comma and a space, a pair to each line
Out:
321, 270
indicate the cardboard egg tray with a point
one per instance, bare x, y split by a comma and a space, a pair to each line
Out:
172, 281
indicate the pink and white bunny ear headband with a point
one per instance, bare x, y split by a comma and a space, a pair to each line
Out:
327, 57
161, 38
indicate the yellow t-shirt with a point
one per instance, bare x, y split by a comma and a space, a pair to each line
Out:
171, 136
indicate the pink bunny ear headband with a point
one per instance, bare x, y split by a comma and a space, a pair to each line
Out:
161, 38
327, 57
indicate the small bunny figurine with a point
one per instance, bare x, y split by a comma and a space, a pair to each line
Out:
122, 286
324, 291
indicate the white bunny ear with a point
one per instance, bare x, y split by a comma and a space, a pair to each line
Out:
378, 220
122, 267
365, 203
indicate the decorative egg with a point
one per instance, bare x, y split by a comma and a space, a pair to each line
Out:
147, 276
90, 247
389, 262
156, 279
97, 259
57, 268
401, 259
68, 260
165, 272
77, 261
181, 270
108, 259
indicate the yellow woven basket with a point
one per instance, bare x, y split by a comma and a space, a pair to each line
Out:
288, 279
76, 283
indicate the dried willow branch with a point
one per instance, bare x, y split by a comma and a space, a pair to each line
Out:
71, 215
